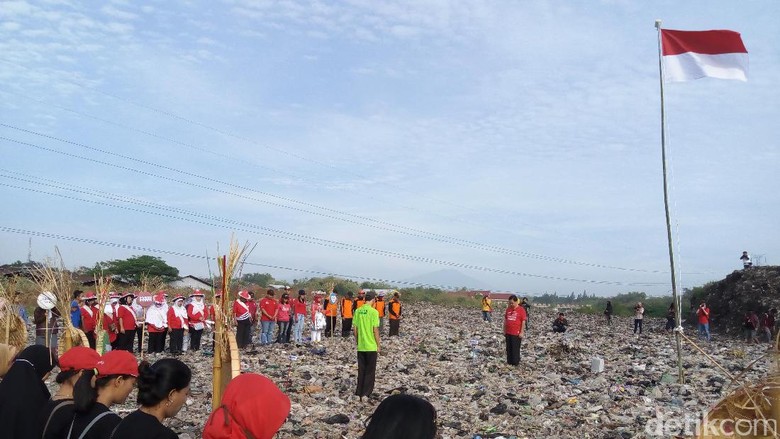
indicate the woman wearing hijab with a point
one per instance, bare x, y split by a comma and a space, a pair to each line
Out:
163, 388
156, 324
317, 318
252, 407
196, 314
57, 414
402, 416
109, 383
23, 393
177, 322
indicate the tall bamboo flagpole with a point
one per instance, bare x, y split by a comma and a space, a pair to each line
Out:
675, 296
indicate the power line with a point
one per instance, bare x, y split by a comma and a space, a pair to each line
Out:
405, 230
336, 244
190, 255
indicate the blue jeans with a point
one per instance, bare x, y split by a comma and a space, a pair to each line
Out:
704, 329
486, 316
266, 331
300, 321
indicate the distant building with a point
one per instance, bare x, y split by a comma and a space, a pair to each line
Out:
192, 282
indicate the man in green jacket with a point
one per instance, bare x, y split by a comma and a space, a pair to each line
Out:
365, 326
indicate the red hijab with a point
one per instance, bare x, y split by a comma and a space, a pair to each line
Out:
251, 404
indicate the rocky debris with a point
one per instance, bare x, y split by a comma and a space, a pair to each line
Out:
458, 363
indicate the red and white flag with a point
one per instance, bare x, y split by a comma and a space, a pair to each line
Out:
689, 55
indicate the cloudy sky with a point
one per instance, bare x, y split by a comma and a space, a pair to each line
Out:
515, 142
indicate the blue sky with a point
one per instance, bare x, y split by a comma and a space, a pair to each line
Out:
515, 138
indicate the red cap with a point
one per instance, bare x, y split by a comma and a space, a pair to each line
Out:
159, 298
90, 295
244, 294
129, 293
113, 295
254, 404
117, 362
197, 293
78, 358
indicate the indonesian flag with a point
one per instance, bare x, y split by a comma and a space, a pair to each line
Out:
689, 55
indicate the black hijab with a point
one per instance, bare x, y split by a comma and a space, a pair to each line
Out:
23, 392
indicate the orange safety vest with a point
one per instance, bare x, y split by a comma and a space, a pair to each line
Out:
379, 305
359, 302
331, 310
346, 308
395, 309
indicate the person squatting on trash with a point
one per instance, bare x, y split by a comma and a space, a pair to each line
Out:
163, 388
514, 329
366, 329
109, 383
252, 407
560, 324
402, 416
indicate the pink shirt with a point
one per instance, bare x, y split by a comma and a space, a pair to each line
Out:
284, 312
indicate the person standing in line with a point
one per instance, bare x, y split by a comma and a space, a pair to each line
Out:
703, 317
751, 325
347, 312
46, 330
639, 313
20, 309
127, 324
288, 333
283, 318
89, 316
487, 308
177, 322
196, 316
366, 329
299, 307
156, 323
253, 311
360, 300
331, 314
379, 306
317, 318
746, 262
514, 330
608, 312
140, 319
75, 309
527, 308
243, 320
394, 314
110, 320
23, 392
670, 318
269, 310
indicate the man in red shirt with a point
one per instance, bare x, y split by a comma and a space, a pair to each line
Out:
703, 315
268, 310
514, 329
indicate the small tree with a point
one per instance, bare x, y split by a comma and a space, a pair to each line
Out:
132, 269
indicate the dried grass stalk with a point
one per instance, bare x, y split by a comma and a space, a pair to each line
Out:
103, 286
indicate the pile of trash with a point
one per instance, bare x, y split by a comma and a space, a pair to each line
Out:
594, 381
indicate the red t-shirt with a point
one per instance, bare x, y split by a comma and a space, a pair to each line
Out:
174, 321
127, 315
89, 315
252, 309
299, 306
513, 320
268, 305
704, 317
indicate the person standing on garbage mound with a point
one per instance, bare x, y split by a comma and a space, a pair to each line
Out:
252, 407
365, 325
514, 329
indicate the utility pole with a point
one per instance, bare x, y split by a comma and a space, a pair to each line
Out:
29, 250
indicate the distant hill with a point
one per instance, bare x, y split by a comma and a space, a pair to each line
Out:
757, 289
449, 277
